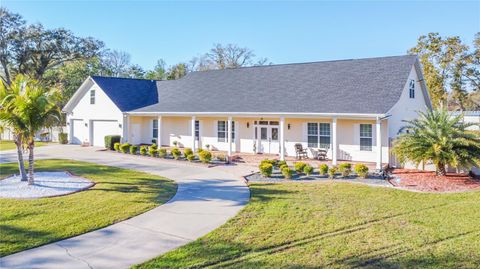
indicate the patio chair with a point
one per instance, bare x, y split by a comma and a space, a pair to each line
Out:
318, 154
300, 152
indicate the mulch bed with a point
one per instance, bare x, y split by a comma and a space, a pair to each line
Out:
427, 181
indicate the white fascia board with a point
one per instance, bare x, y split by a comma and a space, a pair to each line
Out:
260, 114
77, 95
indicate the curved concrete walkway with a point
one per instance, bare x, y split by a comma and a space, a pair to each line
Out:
206, 198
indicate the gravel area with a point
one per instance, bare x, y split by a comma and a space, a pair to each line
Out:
46, 184
277, 177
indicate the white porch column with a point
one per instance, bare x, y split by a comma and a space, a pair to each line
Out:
159, 134
193, 134
229, 137
125, 131
378, 128
334, 141
282, 138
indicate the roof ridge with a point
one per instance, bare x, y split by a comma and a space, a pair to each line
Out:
111, 77
302, 63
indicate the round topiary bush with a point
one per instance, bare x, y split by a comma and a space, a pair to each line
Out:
266, 169
345, 169
361, 170
187, 151
332, 171
281, 163
152, 151
143, 150
190, 157
162, 153
205, 156
133, 149
287, 172
125, 147
299, 166
116, 146
176, 153
323, 169
308, 169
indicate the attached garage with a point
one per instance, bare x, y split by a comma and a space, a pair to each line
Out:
77, 131
101, 128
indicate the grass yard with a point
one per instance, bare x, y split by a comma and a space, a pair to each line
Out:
118, 194
339, 225
8, 144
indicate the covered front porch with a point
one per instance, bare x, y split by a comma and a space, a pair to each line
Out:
361, 138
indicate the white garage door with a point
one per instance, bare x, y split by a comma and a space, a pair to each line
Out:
78, 131
101, 128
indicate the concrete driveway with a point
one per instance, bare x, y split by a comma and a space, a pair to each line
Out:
206, 198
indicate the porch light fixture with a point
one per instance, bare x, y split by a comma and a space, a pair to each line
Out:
86, 124
119, 125
288, 126
248, 124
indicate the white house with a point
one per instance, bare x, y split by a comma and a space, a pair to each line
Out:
352, 108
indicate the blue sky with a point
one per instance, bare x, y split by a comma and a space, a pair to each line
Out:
284, 32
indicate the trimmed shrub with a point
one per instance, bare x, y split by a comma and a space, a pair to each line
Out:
187, 151
116, 146
299, 166
110, 140
133, 149
153, 146
190, 157
63, 138
152, 151
125, 147
345, 169
199, 150
332, 171
281, 163
176, 153
308, 169
205, 156
221, 157
287, 172
266, 169
323, 169
162, 152
282, 166
175, 143
143, 150
272, 162
361, 170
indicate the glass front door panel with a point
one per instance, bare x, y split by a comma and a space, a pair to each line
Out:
263, 133
274, 134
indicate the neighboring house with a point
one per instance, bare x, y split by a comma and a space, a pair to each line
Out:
470, 117
352, 108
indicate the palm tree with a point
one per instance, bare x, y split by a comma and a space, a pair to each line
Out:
439, 137
8, 95
30, 109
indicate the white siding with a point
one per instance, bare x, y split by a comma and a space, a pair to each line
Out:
103, 109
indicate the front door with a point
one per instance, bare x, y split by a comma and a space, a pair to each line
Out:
268, 137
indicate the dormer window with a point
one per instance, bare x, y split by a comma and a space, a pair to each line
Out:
92, 97
412, 89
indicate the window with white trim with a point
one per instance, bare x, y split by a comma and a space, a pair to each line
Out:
92, 97
318, 135
155, 128
366, 137
222, 131
412, 89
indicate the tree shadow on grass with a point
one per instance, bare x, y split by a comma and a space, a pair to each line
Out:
14, 238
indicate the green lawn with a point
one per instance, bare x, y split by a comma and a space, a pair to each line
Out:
118, 194
8, 144
339, 225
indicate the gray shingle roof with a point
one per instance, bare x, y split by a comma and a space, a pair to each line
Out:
370, 85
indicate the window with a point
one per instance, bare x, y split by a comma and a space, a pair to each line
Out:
155, 129
366, 137
197, 130
222, 131
92, 97
318, 135
412, 89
